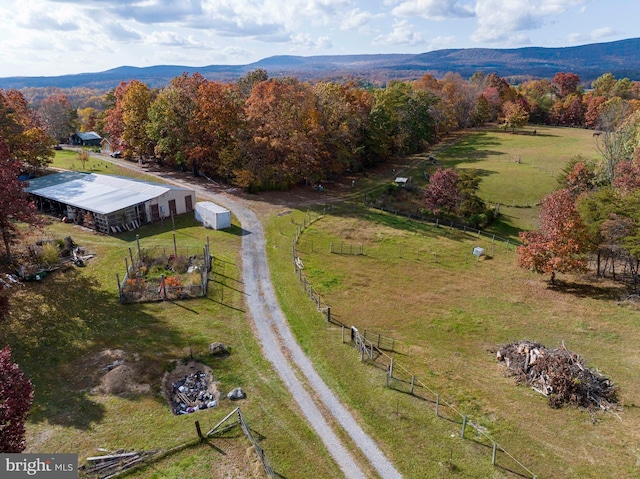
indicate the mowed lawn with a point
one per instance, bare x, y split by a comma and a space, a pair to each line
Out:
448, 312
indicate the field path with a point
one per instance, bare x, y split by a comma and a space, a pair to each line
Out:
279, 345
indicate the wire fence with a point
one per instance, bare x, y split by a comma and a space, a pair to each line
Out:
233, 419
373, 349
153, 275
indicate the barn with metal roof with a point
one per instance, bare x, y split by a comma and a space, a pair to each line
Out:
109, 204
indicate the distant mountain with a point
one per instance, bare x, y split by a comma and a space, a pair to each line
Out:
621, 58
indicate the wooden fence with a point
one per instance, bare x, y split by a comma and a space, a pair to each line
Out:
372, 348
137, 287
233, 419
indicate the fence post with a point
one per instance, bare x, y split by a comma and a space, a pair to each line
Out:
331, 247
412, 383
437, 403
328, 314
493, 454
343, 334
138, 243
199, 431
388, 375
464, 425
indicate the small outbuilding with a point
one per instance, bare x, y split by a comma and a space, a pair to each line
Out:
212, 215
86, 138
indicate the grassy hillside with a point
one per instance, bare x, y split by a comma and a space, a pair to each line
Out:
449, 312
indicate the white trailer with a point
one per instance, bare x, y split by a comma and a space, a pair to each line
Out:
212, 215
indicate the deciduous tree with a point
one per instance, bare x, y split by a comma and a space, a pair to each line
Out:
15, 207
58, 116
442, 195
22, 131
16, 397
560, 244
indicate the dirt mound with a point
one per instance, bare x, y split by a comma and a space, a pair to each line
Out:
110, 371
190, 387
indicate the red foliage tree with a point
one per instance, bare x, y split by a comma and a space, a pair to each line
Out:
565, 84
16, 396
14, 205
443, 195
560, 245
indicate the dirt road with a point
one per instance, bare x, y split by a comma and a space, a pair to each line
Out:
281, 349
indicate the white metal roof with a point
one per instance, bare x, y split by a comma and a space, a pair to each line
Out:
96, 193
211, 207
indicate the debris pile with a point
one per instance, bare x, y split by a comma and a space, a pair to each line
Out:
112, 464
559, 374
192, 393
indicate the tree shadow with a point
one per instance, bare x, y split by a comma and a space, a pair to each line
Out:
56, 330
588, 290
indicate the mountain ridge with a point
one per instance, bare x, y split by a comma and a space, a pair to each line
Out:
621, 58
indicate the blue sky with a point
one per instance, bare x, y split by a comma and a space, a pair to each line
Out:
55, 37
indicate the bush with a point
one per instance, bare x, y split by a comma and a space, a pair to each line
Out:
50, 255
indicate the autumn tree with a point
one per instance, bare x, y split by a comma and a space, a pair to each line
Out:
83, 156
113, 116
216, 129
22, 132
135, 108
442, 195
246, 83
560, 244
515, 115
170, 116
88, 119
344, 111
16, 397
15, 207
564, 84
58, 116
285, 132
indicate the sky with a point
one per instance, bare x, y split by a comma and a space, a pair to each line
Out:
58, 37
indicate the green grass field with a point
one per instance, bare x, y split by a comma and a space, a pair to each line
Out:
420, 285
449, 312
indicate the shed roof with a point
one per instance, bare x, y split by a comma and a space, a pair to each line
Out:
212, 207
88, 135
97, 193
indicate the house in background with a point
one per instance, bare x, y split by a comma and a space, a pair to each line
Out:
85, 138
109, 204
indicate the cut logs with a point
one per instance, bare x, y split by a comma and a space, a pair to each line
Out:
559, 374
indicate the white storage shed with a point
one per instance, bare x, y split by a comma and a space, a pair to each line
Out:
212, 215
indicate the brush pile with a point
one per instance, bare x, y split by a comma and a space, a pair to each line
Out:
559, 374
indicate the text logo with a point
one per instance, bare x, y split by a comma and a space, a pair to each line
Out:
39, 466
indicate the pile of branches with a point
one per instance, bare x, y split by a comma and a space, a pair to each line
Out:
105, 467
559, 374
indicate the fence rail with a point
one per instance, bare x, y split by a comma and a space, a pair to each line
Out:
373, 350
233, 419
137, 287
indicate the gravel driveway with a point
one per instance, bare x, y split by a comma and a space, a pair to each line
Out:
280, 347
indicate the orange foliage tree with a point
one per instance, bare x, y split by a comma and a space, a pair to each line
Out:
560, 245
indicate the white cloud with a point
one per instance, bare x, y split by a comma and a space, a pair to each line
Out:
506, 20
402, 34
439, 43
173, 39
433, 9
593, 36
355, 19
